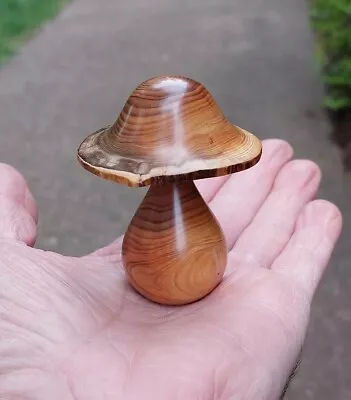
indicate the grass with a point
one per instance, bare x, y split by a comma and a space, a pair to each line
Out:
19, 19
331, 20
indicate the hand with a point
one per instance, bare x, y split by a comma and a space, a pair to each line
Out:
72, 329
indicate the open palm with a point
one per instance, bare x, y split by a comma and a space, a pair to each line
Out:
72, 329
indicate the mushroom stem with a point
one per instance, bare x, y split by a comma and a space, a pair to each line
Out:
174, 251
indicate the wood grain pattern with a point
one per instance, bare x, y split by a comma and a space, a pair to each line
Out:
170, 129
174, 251
169, 133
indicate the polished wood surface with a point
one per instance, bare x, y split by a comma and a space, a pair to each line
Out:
174, 251
170, 129
169, 133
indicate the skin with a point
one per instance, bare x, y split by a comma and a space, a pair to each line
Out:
72, 329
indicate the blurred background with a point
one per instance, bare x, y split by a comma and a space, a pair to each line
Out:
278, 68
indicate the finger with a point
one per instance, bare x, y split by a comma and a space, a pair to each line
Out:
272, 227
15, 222
221, 192
237, 201
307, 254
16, 207
14, 186
31, 205
210, 186
111, 251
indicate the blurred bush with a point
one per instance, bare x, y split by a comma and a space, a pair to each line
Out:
18, 19
331, 20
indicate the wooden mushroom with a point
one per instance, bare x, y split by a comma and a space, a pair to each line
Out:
169, 133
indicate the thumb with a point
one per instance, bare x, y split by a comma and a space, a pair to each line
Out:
18, 211
111, 251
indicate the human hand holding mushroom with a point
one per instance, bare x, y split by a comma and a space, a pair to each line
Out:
73, 328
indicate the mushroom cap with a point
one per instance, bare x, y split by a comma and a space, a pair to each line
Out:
170, 130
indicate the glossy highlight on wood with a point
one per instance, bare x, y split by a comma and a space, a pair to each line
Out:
174, 251
170, 129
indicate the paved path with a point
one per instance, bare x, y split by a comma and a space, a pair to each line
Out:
256, 58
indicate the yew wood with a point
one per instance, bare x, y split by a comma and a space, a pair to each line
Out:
174, 251
169, 133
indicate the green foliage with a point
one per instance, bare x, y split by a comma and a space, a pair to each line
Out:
331, 19
18, 19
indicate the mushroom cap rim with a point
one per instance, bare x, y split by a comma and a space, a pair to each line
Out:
133, 179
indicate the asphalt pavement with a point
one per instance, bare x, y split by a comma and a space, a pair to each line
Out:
256, 57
